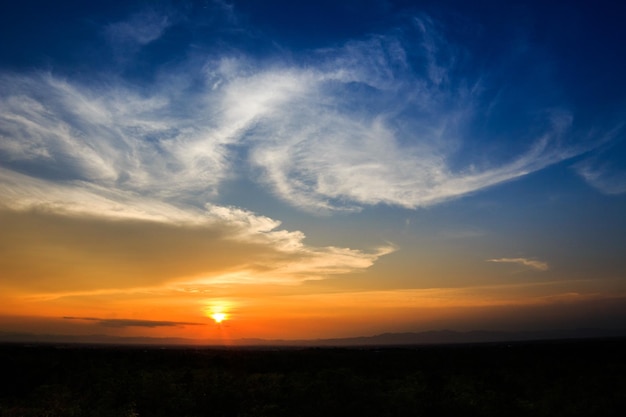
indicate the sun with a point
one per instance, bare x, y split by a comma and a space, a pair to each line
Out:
218, 311
218, 317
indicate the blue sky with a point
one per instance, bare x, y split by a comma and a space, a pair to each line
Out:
326, 147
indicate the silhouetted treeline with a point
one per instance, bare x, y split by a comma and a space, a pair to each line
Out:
584, 378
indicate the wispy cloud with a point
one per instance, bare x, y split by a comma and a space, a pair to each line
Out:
107, 135
603, 169
139, 29
530, 263
111, 239
134, 323
356, 125
385, 132
607, 180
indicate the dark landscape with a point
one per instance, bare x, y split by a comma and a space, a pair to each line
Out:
530, 378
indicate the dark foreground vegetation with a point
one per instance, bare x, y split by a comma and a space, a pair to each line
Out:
567, 378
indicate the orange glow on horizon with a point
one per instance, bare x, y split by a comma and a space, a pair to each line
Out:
285, 313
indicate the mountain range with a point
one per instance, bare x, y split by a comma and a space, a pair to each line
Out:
435, 337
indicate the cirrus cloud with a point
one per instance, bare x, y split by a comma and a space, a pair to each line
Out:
375, 121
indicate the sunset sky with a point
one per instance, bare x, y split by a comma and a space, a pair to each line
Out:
311, 169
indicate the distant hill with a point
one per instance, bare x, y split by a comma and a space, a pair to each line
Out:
476, 336
385, 339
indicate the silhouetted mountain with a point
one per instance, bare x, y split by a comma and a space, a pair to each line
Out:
476, 336
385, 339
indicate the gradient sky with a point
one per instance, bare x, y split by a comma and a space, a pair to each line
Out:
311, 169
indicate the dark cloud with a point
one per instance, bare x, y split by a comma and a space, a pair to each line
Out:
134, 323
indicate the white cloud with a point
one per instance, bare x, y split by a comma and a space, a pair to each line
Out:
530, 263
331, 160
356, 125
358, 136
109, 136
80, 198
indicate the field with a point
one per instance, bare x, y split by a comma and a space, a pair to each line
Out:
561, 378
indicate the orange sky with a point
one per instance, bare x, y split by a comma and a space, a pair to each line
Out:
144, 278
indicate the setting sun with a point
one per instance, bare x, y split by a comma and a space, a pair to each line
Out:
218, 317
218, 311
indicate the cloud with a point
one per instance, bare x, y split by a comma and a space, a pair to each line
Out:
139, 29
108, 136
603, 169
85, 242
605, 179
373, 130
380, 120
134, 323
530, 263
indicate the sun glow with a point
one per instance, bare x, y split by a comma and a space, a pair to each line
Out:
218, 312
218, 317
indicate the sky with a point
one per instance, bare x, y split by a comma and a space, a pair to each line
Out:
219, 170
